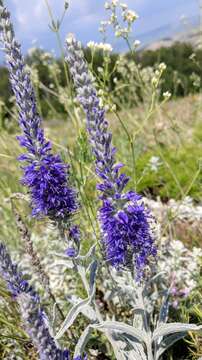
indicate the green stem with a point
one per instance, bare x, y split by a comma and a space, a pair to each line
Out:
56, 30
130, 140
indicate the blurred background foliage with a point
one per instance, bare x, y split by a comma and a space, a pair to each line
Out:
183, 75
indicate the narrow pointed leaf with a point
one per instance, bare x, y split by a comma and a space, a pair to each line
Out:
93, 272
138, 348
87, 311
167, 329
122, 328
83, 340
163, 316
89, 254
167, 342
72, 315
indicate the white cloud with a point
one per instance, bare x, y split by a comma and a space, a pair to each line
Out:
32, 17
29, 16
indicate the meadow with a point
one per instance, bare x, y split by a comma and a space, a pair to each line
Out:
119, 277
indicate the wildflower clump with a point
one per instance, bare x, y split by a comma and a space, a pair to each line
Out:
125, 222
123, 26
100, 46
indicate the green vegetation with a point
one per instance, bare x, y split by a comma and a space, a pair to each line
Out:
183, 75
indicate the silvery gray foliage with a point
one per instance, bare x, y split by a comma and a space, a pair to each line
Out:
142, 338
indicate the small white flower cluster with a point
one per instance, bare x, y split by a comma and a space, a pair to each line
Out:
196, 80
158, 74
100, 46
130, 16
127, 16
154, 163
105, 102
167, 95
180, 210
136, 44
181, 268
186, 210
111, 5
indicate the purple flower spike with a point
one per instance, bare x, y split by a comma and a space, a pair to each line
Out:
32, 312
45, 174
125, 223
12, 276
36, 325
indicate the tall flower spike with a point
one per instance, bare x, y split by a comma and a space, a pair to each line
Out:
125, 223
45, 174
35, 322
32, 313
12, 276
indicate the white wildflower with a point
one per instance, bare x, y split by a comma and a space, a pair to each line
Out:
155, 81
162, 66
107, 5
192, 56
118, 33
155, 163
91, 44
99, 46
130, 16
113, 19
114, 3
136, 44
124, 6
157, 73
167, 95
105, 47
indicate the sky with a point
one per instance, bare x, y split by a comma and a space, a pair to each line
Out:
31, 19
